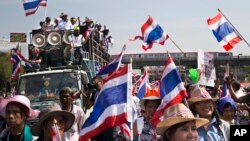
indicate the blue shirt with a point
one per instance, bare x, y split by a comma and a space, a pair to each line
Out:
212, 134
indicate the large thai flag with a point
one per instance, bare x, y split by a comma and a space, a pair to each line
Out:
112, 106
112, 66
172, 89
151, 33
30, 6
223, 31
144, 85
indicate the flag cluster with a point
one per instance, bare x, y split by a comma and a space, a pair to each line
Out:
223, 31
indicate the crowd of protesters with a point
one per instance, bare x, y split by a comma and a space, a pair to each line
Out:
205, 116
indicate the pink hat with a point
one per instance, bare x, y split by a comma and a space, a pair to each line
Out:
199, 94
22, 100
175, 114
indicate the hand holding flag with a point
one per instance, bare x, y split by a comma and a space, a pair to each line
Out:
55, 132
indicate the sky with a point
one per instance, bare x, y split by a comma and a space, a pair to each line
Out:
183, 20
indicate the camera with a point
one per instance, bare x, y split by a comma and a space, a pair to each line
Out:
90, 87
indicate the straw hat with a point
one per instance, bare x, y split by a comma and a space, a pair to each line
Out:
22, 100
199, 94
175, 114
151, 94
49, 111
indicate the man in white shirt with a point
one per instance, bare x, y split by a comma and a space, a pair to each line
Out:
66, 98
63, 23
76, 41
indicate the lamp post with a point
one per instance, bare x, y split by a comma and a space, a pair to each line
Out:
238, 69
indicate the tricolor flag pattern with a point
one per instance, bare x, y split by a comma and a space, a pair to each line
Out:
30, 6
144, 85
223, 31
16, 59
151, 33
172, 89
112, 106
112, 66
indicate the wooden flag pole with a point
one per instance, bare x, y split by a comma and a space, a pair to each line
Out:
175, 44
235, 29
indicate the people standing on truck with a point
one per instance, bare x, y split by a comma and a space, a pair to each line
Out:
75, 47
17, 111
66, 99
49, 118
34, 61
63, 23
74, 22
48, 26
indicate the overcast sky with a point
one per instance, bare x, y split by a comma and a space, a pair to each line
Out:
183, 20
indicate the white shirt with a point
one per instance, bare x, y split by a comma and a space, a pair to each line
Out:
63, 25
77, 41
73, 133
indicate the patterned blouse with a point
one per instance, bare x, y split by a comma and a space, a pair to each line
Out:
148, 132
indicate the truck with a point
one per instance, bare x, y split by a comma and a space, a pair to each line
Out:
42, 87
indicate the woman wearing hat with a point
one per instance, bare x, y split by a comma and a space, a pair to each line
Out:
47, 117
143, 129
203, 105
17, 111
227, 109
179, 124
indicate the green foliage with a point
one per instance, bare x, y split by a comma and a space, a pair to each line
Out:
5, 69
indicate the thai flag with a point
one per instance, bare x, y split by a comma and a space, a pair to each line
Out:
112, 66
151, 33
223, 31
16, 66
172, 89
126, 130
112, 106
30, 6
144, 85
55, 133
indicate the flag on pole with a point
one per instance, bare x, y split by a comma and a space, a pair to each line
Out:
16, 58
172, 89
225, 89
112, 106
30, 6
224, 32
144, 85
55, 132
151, 33
112, 66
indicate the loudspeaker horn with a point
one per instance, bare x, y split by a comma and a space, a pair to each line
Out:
38, 40
66, 37
54, 38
